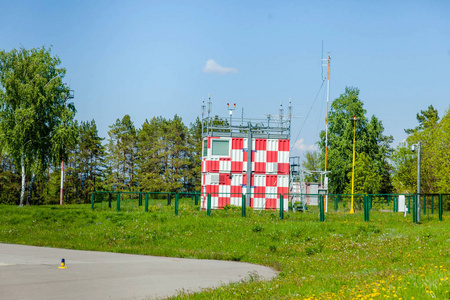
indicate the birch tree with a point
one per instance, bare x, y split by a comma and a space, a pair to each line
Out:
35, 118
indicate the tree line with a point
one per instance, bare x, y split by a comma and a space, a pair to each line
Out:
162, 155
38, 131
380, 168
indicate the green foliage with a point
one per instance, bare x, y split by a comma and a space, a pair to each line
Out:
370, 140
312, 162
36, 121
366, 180
434, 136
169, 155
121, 159
342, 258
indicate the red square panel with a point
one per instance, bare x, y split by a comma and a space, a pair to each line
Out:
283, 168
271, 180
223, 201
260, 192
260, 144
260, 167
236, 190
224, 179
283, 145
214, 166
272, 156
283, 190
271, 203
237, 143
237, 166
213, 190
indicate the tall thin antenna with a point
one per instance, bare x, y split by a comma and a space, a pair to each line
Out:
203, 107
321, 76
328, 99
209, 105
326, 128
289, 116
281, 114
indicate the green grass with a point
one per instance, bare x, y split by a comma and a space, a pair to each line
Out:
341, 258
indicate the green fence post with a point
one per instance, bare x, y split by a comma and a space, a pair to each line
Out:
109, 200
281, 207
424, 205
321, 209
336, 203
432, 204
244, 209
366, 208
169, 201
92, 200
196, 199
176, 204
409, 204
140, 199
208, 205
146, 202
440, 207
118, 201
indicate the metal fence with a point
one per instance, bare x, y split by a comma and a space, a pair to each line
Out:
130, 201
359, 204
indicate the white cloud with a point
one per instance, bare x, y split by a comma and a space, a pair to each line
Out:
300, 146
213, 67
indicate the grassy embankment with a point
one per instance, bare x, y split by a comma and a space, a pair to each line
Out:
342, 258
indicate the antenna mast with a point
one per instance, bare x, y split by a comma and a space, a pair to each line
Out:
328, 98
209, 105
325, 182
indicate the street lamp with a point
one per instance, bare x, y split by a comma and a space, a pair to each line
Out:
413, 149
353, 164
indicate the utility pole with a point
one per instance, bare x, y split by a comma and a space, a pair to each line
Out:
413, 148
352, 211
418, 181
326, 128
70, 96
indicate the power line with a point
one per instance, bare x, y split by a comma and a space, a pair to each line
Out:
315, 99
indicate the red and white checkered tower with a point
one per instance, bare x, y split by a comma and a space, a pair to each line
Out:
233, 167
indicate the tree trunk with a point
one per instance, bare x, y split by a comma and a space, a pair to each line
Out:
22, 192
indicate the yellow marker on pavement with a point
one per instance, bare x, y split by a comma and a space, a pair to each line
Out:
63, 264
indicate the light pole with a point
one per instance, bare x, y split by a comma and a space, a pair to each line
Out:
413, 148
353, 163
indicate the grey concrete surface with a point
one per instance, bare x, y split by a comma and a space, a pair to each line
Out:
28, 272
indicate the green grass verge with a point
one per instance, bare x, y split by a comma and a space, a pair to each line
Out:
341, 258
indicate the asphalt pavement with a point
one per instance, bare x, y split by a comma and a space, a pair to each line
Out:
29, 272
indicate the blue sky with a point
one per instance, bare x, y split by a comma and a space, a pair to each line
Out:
149, 58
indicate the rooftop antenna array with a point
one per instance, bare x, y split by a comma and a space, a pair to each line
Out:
260, 127
230, 110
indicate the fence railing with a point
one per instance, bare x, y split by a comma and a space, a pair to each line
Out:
327, 204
